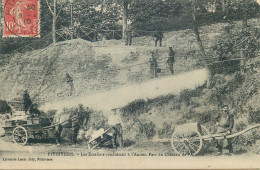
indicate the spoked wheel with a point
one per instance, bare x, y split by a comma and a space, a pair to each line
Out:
186, 144
20, 135
205, 132
93, 144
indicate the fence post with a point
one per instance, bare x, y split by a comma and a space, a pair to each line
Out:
242, 63
113, 34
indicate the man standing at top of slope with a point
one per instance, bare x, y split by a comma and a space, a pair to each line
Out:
159, 36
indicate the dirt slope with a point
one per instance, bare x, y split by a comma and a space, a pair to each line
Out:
93, 69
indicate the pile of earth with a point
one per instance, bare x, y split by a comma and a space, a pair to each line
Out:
93, 69
99, 66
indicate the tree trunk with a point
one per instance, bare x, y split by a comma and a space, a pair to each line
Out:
54, 22
125, 17
71, 20
245, 6
223, 3
1, 22
199, 42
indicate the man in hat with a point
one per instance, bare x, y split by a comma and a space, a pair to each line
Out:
159, 36
171, 60
225, 124
27, 101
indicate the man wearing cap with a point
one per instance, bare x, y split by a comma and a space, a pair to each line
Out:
225, 124
27, 101
78, 118
171, 60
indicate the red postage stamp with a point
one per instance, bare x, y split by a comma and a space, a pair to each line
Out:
21, 18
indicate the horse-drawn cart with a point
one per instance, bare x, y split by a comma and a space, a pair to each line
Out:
192, 138
22, 127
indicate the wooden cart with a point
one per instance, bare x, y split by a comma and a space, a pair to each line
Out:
188, 139
102, 138
22, 128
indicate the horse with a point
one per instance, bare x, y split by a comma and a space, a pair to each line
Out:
74, 119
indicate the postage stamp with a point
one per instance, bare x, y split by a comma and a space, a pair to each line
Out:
21, 18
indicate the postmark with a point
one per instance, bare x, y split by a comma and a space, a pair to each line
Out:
21, 18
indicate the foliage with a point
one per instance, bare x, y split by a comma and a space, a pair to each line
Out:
166, 131
136, 106
149, 15
254, 116
4, 107
234, 40
186, 95
149, 128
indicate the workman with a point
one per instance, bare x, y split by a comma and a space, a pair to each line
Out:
27, 101
171, 60
225, 124
153, 66
159, 36
115, 121
69, 81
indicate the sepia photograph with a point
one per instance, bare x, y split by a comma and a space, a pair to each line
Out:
129, 84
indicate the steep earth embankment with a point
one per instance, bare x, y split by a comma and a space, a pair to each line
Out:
93, 69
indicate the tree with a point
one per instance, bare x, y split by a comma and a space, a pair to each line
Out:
196, 31
125, 18
55, 16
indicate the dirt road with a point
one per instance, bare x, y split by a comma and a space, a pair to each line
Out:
147, 154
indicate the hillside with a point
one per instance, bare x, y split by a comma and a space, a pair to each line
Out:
99, 66
103, 69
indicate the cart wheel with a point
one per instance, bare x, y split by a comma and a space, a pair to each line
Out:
40, 135
186, 145
20, 135
93, 144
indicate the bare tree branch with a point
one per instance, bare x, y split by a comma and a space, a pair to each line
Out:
61, 9
49, 7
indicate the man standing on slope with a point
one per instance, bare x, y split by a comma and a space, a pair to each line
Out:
159, 36
171, 60
225, 124
153, 66
69, 81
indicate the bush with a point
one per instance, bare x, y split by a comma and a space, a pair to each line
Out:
254, 116
149, 129
230, 43
166, 131
4, 107
186, 95
134, 108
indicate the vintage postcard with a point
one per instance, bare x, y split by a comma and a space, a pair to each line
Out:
129, 84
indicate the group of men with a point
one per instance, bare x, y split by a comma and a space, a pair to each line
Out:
154, 69
224, 123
